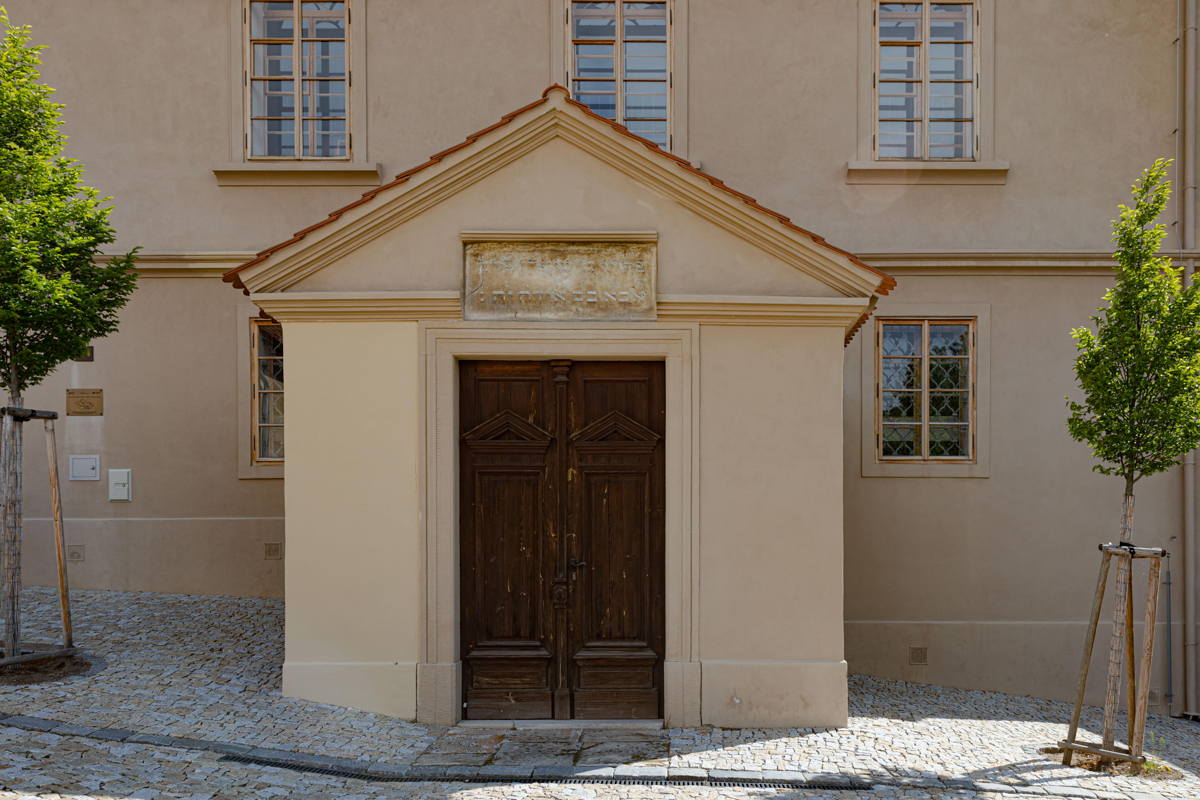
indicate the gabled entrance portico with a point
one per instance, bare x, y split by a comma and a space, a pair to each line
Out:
430, 548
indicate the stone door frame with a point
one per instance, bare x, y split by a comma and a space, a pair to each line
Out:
439, 673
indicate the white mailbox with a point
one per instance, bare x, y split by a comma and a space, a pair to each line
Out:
120, 484
83, 468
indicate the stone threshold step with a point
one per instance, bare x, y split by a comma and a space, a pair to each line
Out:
569, 724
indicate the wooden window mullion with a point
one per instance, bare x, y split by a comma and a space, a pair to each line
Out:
925, 390
879, 426
925, 83
297, 81
619, 57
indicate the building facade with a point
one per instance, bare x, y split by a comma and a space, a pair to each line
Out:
733, 360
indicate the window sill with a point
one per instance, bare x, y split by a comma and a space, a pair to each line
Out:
298, 173
925, 469
260, 471
976, 173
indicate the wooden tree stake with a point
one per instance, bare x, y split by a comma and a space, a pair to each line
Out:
1089, 644
60, 545
10, 560
13, 420
1138, 739
1121, 656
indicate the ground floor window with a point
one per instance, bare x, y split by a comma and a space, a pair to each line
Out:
267, 393
925, 389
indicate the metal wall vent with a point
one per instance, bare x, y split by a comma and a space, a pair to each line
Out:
918, 656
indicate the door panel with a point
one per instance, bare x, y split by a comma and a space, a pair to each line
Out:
616, 526
571, 625
505, 542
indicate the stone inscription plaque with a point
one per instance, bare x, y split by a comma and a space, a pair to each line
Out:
559, 280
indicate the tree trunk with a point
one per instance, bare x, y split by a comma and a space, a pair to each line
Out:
1127, 512
10, 554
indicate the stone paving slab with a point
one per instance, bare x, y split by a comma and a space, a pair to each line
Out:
198, 678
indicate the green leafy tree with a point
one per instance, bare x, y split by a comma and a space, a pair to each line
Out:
56, 296
1140, 368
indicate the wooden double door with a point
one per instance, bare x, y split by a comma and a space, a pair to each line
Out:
561, 523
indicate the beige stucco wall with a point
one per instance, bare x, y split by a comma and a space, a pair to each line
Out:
171, 380
354, 546
996, 575
782, 125
770, 539
773, 111
150, 118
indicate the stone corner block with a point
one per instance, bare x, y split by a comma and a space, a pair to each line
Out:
727, 774
631, 771
504, 771
785, 775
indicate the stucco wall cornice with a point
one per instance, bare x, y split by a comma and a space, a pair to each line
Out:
1000, 262
204, 264
841, 313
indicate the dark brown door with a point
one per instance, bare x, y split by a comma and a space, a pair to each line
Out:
561, 524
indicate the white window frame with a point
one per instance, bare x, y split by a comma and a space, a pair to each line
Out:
248, 466
984, 168
256, 391
924, 389
562, 65
874, 466
924, 81
356, 117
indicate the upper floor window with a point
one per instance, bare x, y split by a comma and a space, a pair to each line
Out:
620, 64
267, 391
297, 80
926, 81
925, 389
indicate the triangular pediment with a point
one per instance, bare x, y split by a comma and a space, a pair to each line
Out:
555, 118
615, 428
508, 427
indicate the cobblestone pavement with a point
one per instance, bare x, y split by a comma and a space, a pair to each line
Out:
48, 766
207, 668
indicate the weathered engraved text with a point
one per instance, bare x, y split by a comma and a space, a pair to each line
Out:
559, 280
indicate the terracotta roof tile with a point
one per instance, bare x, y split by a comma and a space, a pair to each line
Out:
886, 284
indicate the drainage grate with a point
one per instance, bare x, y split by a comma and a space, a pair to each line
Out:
363, 775
297, 766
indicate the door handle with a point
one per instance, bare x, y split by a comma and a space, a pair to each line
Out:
576, 564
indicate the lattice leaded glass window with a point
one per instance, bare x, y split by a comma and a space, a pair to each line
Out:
925, 389
620, 64
297, 80
926, 81
267, 396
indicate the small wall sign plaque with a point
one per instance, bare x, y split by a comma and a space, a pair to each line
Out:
85, 402
533, 280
